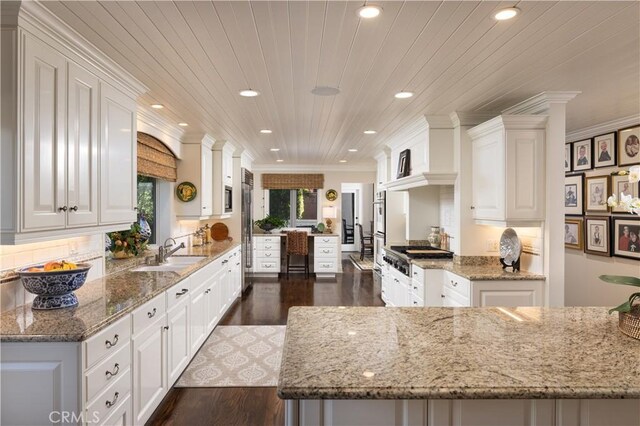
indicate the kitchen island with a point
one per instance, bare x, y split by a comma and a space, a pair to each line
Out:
466, 366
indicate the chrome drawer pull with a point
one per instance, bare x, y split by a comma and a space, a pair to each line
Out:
415, 288
116, 370
110, 404
110, 344
455, 284
415, 303
184, 291
267, 247
152, 313
267, 254
207, 291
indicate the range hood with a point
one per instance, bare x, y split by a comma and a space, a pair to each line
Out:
431, 142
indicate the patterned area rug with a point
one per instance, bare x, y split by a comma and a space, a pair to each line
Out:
364, 265
237, 356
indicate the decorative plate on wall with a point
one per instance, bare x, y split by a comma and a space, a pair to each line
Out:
186, 191
331, 195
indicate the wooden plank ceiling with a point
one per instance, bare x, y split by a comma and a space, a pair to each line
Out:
196, 56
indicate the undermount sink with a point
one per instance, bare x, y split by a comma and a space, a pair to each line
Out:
175, 263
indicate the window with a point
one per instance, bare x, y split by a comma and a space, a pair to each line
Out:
299, 207
147, 202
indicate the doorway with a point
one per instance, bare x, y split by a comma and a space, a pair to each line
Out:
356, 208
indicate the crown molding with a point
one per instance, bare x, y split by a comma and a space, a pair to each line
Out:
461, 118
508, 122
313, 168
36, 18
540, 103
157, 126
438, 121
602, 128
9, 11
412, 130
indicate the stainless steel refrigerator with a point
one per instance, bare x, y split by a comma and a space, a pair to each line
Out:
247, 228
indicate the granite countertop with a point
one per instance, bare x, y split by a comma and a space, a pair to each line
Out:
457, 353
282, 234
101, 302
477, 272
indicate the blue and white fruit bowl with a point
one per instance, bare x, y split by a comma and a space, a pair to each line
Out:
54, 289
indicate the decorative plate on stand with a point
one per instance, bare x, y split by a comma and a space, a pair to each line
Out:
510, 249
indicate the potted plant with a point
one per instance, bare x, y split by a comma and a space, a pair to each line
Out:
128, 243
269, 223
629, 312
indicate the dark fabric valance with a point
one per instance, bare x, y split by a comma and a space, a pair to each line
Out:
155, 159
292, 181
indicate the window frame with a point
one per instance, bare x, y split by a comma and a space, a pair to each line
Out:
293, 221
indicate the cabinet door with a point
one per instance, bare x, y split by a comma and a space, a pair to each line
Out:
525, 174
488, 173
118, 161
43, 157
82, 147
212, 300
149, 371
199, 317
224, 289
227, 168
207, 182
178, 348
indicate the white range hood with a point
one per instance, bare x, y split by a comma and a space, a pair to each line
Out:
430, 141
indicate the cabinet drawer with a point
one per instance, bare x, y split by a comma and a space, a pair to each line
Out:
417, 273
267, 255
324, 265
120, 415
107, 371
318, 241
107, 342
271, 240
268, 265
146, 314
417, 288
458, 284
269, 246
416, 301
109, 400
177, 293
326, 251
453, 298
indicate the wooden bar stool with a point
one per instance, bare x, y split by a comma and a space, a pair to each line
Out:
297, 245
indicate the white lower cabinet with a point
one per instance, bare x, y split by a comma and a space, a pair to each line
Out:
178, 331
199, 315
149, 370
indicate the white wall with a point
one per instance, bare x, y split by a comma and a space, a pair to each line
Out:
582, 285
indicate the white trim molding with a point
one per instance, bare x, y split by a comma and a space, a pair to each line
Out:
540, 103
157, 126
606, 127
314, 168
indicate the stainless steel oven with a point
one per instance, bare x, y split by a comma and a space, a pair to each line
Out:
228, 199
378, 249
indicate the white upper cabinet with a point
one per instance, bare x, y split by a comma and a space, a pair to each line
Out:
196, 167
382, 171
222, 178
118, 161
43, 154
82, 147
68, 163
508, 170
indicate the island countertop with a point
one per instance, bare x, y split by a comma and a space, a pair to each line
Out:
491, 272
101, 302
457, 353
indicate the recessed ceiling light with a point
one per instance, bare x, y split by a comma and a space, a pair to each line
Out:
325, 91
343, 161
182, 124
275, 149
353, 150
266, 131
369, 11
249, 93
279, 161
507, 13
369, 132
403, 95
157, 106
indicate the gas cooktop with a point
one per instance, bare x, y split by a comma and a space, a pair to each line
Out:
422, 252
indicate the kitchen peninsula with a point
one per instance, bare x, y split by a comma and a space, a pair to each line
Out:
472, 366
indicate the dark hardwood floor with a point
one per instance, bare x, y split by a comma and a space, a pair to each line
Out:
267, 303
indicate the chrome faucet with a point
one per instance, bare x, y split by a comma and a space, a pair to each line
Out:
164, 252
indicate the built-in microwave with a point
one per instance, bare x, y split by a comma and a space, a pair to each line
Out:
228, 197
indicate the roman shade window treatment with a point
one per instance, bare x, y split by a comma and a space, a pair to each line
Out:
292, 181
155, 159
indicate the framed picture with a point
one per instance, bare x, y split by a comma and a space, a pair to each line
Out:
404, 164
573, 233
596, 231
597, 191
582, 155
626, 237
629, 146
567, 157
573, 203
604, 150
620, 185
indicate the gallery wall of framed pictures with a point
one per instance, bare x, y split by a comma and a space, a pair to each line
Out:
592, 174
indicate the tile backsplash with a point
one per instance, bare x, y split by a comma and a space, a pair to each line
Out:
89, 248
